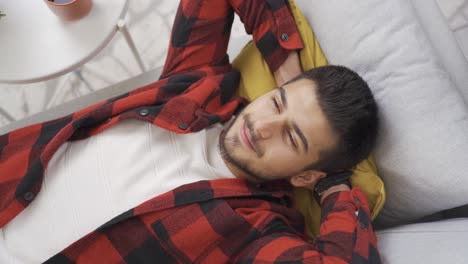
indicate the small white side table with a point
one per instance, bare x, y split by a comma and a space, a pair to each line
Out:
36, 45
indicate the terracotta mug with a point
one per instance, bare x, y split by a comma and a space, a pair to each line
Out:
70, 9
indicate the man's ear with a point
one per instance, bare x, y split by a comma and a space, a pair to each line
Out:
307, 178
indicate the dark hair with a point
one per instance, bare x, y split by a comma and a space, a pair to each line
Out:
348, 104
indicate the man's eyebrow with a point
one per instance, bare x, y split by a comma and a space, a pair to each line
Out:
284, 101
283, 96
301, 136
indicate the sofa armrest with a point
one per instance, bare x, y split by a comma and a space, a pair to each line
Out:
86, 100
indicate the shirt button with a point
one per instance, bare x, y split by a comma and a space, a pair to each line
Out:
357, 200
183, 126
144, 112
28, 196
284, 37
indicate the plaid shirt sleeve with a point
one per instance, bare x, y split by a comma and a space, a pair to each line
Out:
201, 32
346, 236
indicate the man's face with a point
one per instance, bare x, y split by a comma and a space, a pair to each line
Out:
279, 134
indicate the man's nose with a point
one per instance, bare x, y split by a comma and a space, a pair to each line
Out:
267, 127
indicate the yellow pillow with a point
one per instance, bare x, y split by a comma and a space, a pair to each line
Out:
256, 79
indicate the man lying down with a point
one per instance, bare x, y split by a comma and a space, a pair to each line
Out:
174, 172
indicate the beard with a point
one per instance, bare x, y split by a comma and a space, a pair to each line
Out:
228, 145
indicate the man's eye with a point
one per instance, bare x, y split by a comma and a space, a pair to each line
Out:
276, 104
292, 139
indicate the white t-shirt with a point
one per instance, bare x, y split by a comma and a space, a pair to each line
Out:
89, 182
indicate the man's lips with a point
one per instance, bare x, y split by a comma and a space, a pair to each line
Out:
245, 135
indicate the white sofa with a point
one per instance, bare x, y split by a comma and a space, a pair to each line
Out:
419, 75
434, 242
414, 226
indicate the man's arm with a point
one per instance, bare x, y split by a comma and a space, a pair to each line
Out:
202, 29
290, 68
346, 236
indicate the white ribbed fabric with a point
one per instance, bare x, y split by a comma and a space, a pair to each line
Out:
88, 182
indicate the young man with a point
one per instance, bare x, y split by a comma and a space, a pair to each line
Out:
124, 181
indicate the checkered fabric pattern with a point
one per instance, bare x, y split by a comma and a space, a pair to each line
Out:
209, 222
229, 220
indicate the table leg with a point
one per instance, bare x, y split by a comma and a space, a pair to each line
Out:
6, 115
79, 75
122, 26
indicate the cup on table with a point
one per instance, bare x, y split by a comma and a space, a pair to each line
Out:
70, 9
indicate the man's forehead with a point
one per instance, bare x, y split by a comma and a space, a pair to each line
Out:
305, 84
308, 115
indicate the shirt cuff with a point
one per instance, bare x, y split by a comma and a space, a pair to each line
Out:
353, 200
284, 37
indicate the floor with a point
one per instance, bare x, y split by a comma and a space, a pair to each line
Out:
149, 22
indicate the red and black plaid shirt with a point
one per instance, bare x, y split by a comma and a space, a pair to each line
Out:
209, 221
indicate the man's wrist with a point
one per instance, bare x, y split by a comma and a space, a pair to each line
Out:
334, 189
290, 68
